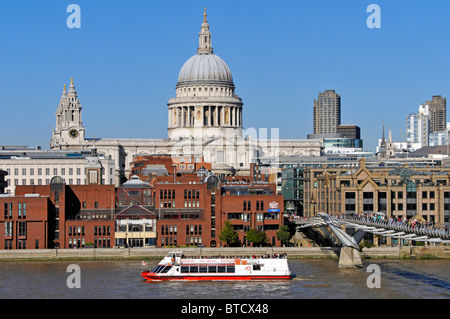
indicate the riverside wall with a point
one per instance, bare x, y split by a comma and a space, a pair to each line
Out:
405, 252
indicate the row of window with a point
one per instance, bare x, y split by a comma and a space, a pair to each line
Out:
55, 171
47, 181
197, 269
173, 241
247, 205
208, 269
187, 204
394, 207
21, 210
98, 230
21, 244
98, 242
247, 216
22, 229
173, 230
394, 194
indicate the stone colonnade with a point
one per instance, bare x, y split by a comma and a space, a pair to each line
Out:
207, 115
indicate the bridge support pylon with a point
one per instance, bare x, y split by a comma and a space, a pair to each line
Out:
350, 257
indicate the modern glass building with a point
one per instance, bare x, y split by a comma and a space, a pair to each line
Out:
292, 190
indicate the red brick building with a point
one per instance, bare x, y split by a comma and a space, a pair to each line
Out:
193, 213
252, 207
24, 222
58, 215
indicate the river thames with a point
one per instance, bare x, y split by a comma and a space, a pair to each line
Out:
316, 279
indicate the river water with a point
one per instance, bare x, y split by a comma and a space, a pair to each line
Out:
316, 279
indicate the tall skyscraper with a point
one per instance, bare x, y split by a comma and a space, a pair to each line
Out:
327, 112
438, 113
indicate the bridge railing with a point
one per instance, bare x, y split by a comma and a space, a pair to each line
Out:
408, 226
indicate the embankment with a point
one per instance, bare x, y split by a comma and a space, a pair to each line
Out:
441, 252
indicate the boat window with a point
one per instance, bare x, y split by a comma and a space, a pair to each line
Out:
230, 269
193, 269
212, 268
256, 267
203, 269
157, 269
166, 269
221, 268
184, 269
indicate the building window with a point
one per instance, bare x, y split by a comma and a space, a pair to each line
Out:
8, 229
22, 228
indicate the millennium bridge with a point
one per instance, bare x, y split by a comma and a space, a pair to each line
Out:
350, 255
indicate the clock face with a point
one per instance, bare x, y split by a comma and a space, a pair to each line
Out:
73, 133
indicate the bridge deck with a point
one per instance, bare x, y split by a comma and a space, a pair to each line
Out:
389, 228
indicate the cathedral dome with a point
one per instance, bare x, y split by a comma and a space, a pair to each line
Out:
205, 69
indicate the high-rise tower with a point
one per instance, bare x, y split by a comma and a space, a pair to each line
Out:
438, 113
327, 112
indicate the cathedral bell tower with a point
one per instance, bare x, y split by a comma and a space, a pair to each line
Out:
69, 130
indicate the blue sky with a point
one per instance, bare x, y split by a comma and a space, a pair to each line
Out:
126, 57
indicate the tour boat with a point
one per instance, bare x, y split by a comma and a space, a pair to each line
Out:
177, 267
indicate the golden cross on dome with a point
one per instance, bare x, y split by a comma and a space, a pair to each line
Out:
204, 15
71, 81
64, 87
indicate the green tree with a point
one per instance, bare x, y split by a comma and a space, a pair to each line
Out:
228, 235
283, 234
256, 237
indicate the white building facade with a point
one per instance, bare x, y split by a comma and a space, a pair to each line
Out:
39, 167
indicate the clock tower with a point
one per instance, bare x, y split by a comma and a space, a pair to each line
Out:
69, 129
